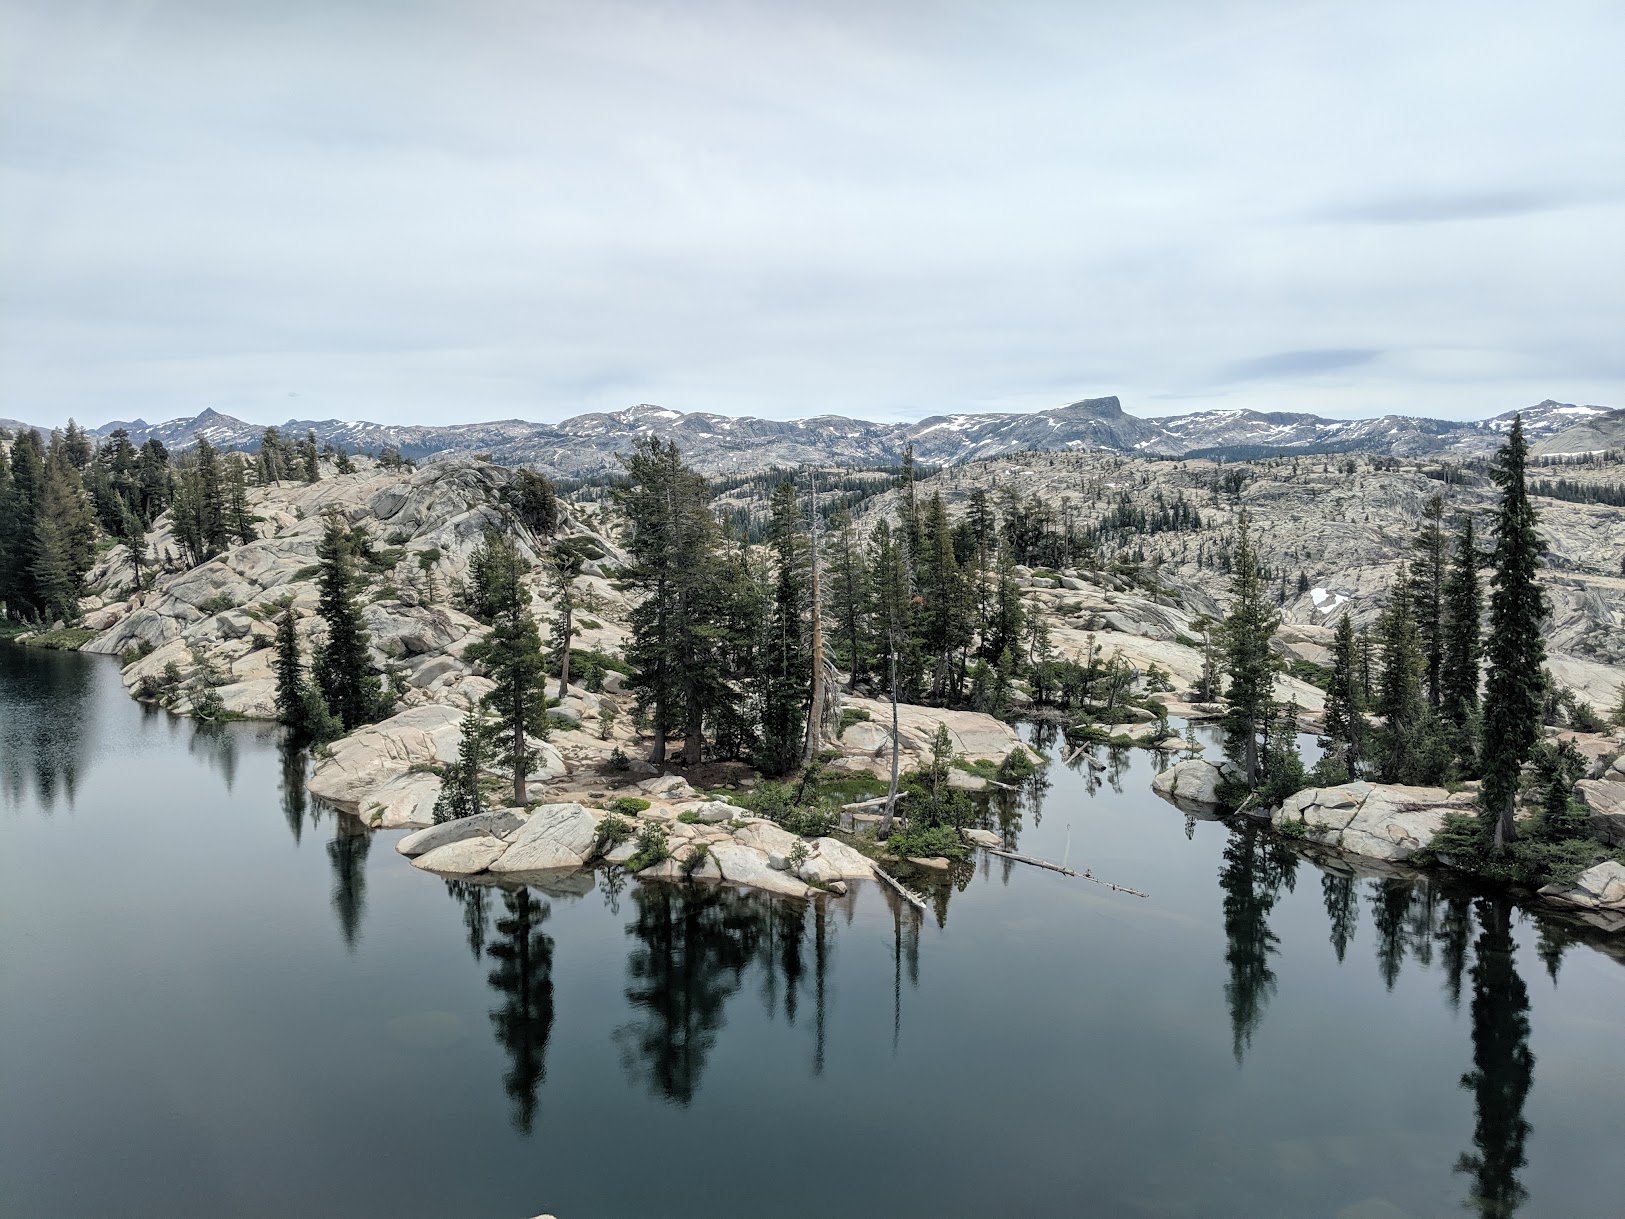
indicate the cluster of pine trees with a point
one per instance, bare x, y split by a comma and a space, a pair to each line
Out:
55, 501
1432, 697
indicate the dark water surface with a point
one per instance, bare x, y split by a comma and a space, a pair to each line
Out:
215, 1000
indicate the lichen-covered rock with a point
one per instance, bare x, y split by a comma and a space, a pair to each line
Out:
1378, 820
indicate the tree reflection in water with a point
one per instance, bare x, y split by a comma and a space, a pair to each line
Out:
1256, 868
524, 976
690, 957
693, 949
1342, 908
292, 790
347, 852
217, 745
43, 736
1503, 1067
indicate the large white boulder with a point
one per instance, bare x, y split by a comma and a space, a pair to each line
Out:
767, 838
1195, 782
1378, 820
406, 801
464, 857
1606, 800
498, 823
745, 865
834, 860
373, 755
554, 836
1598, 893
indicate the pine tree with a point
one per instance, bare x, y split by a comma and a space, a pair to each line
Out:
848, 578
1516, 648
678, 651
1428, 572
1400, 700
1250, 663
237, 518
564, 564
512, 654
787, 655
1459, 676
460, 784
64, 539
290, 671
343, 672
1346, 727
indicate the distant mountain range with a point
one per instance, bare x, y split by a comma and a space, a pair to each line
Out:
587, 444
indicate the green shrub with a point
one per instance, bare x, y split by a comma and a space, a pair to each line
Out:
618, 762
589, 624
696, 857
689, 817
306, 573
1017, 766
612, 831
628, 806
653, 847
853, 715
215, 605
926, 841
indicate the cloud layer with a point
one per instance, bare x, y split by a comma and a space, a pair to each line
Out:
438, 212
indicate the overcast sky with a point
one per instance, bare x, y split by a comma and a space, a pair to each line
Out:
440, 212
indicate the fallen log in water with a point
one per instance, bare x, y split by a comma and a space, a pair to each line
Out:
1055, 867
906, 893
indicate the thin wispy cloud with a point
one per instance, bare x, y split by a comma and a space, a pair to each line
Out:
437, 212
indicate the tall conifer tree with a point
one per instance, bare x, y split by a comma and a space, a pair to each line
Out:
1250, 663
1516, 648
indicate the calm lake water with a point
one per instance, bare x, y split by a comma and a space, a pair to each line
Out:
218, 1000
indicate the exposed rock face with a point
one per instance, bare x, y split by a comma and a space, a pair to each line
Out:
465, 857
406, 801
496, 824
1606, 800
554, 836
1377, 820
747, 866
372, 756
1598, 893
1192, 783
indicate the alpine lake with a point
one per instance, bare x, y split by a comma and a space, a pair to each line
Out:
218, 998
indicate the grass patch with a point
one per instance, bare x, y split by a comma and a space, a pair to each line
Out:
67, 639
628, 806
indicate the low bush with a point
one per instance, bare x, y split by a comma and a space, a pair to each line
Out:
628, 806
612, 831
926, 841
653, 846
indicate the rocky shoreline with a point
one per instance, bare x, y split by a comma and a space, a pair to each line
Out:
1393, 823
